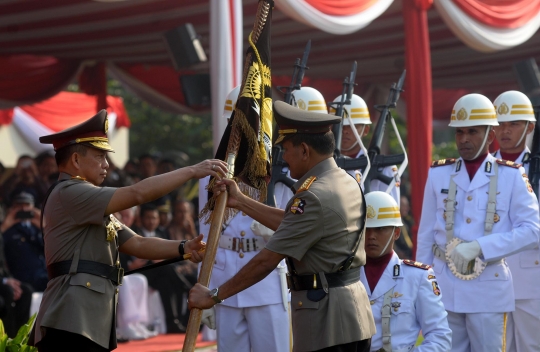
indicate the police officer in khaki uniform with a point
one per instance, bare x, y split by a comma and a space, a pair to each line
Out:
321, 234
82, 239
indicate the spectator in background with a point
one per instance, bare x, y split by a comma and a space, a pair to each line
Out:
15, 298
182, 226
47, 169
165, 216
115, 177
23, 242
131, 170
171, 284
24, 179
147, 166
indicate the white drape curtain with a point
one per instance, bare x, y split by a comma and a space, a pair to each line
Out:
482, 37
31, 129
307, 14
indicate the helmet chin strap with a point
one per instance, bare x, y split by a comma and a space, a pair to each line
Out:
389, 239
357, 141
523, 135
488, 128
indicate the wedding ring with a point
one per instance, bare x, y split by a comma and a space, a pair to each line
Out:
213, 166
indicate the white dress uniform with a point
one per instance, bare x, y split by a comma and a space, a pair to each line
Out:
415, 306
524, 323
491, 294
254, 319
376, 185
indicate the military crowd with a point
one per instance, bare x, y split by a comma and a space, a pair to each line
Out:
318, 272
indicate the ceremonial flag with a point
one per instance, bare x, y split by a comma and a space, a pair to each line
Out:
249, 130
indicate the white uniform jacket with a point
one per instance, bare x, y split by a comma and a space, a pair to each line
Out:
517, 229
228, 262
376, 185
416, 306
525, 266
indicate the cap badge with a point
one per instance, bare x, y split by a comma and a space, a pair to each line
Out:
370, 212
301, 104
106, 125
503, 109
462, 114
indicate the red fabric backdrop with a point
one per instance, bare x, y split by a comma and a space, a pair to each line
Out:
341, 7
67, 109
500, 13
26, 78
419, 104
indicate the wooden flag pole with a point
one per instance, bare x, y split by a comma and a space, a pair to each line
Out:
195, 316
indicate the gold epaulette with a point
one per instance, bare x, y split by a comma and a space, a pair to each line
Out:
508, 163
307, 183
416, 264
78, 178
443, 162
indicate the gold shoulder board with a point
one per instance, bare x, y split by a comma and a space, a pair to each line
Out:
307, 183
443, 162
416, 264
508, 163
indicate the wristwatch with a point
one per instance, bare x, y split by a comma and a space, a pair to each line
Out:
214, 295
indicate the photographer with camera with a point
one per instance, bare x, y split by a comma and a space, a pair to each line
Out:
23, 242
15, 296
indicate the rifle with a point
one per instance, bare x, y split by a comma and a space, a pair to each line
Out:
344, 162
378, 161
534, 168
278, 164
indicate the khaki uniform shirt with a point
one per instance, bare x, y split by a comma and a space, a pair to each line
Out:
319, 231
74, 229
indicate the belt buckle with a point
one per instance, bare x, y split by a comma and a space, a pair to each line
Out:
120, 278
240, 244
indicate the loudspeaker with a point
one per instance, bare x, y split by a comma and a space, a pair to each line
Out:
196, 90
184, 46
528, 77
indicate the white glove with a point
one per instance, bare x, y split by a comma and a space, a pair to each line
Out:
261, 230
209, 318
464, 253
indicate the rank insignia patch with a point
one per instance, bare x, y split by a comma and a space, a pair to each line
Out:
307, 183
416, 264
297, 207
436, 289
396, 270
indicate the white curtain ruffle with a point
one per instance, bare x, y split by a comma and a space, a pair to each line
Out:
482, 37
307, 14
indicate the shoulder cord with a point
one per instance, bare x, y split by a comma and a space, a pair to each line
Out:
386, 314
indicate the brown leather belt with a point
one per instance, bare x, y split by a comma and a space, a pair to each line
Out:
313, 281
113, 273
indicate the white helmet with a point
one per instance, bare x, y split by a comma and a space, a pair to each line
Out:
230, 102
514, 106
357, 110
473, 110
309, 99
382, 210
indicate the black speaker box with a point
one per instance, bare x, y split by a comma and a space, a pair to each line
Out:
528, 77
184, 46
196, 90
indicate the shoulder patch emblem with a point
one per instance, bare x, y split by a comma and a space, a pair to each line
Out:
297, 206
431, 277
443, 162
508, 163
307, 183
416, 264
436, 289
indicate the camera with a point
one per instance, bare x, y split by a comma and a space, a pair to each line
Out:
23, 214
